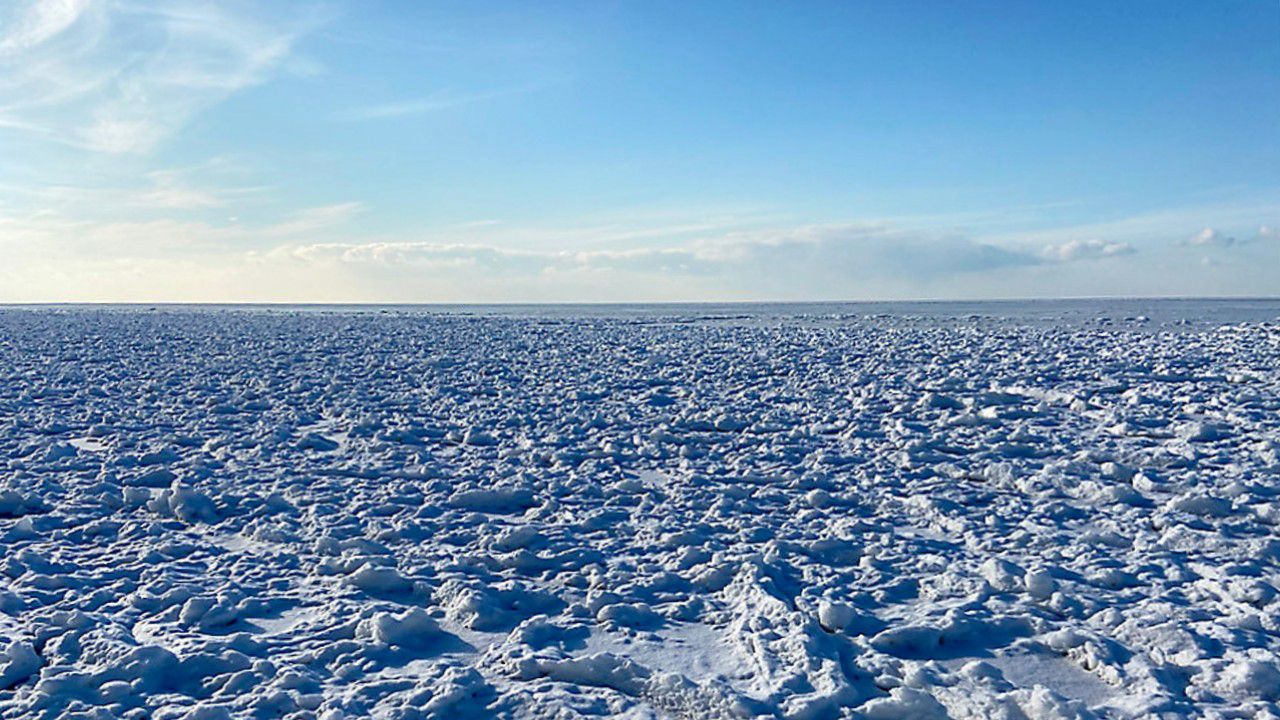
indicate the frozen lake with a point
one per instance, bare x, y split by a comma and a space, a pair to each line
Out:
1057, 509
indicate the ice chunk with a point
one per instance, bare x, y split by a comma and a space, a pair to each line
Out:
317, 442
413, 629
914, 641
479, 438
835, 616
494, 500
15, 504
18, 661
1039, 583
185, 503
598, 670
905, 704
1002, 574
1247, 678
378, 579
631, 615
1202, 505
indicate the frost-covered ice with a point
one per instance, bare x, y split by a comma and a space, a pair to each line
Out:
982, 511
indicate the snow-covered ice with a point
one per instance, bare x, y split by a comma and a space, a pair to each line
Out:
1049, 510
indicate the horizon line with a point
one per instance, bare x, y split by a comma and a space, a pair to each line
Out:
633, 303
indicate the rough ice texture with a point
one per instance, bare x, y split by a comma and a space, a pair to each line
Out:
644, 513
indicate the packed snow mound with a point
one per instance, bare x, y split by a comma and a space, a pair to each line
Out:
826, 512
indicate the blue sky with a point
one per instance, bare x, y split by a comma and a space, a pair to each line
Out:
615, 151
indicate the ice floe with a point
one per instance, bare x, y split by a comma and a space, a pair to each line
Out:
661, 513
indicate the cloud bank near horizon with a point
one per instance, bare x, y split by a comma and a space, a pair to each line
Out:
281, 261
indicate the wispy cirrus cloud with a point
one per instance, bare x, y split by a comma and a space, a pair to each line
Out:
28, 240
36, 22
312, 219
120, 77
170, 190
435, 102
157, 191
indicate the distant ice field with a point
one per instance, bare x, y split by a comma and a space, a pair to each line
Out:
1179, 311
1021, 510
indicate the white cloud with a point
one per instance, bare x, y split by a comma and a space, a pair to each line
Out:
1154, 226
39, 21
1090, 249
119, 77
320, 254
310, 260
1210, 237
815, 261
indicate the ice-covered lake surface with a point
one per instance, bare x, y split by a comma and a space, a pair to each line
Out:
903, 510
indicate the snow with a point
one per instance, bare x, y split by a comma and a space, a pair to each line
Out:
1051, 510
18, 661
413, 628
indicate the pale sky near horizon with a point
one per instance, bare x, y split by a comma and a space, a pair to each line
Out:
636, 151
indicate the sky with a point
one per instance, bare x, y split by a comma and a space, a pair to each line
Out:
612, 151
